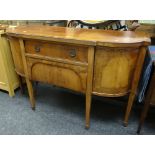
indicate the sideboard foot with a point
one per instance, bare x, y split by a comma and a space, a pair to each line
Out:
125, 124
87, 127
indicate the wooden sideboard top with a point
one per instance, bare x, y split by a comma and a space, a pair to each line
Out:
80, 36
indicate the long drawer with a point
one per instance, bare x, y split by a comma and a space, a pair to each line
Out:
54, 50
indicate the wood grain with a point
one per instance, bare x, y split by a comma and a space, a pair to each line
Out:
106, 63
28, 82
89, 84
135, 81
80, 36
16, 54
113, 70
56, 50
64, 75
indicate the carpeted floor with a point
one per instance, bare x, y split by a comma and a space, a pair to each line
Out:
60, 111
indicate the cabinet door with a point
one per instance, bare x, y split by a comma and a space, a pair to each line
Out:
64, 75
113, 70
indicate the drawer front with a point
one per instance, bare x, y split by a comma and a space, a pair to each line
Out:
54, 50
59, 74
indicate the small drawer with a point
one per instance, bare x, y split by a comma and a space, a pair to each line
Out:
55, 50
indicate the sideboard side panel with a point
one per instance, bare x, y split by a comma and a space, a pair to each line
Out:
16, 53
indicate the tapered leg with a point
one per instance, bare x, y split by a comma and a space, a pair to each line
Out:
31, 93
88, 108
89, 85
135, 82
28, 82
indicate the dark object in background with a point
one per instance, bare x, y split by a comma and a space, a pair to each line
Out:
145, 77
150, 95
134, 25
106, 25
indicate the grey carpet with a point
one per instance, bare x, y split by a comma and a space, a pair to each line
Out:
60, 111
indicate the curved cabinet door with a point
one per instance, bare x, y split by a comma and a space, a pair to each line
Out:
113, 70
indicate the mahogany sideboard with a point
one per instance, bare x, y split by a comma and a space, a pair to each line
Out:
94, 62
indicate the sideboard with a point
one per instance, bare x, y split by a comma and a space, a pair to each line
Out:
94, 62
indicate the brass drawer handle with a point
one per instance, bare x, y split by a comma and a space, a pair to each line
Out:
72, 53
37, 48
